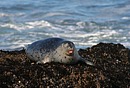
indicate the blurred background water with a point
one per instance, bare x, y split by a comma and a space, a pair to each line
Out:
85, 22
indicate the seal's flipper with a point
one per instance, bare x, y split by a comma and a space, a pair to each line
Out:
87, 62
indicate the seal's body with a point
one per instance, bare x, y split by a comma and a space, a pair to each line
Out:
54, 50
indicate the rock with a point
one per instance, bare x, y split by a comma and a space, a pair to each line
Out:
112, 69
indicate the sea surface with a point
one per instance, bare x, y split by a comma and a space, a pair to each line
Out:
84, 22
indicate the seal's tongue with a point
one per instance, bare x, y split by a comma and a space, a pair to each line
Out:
70, 52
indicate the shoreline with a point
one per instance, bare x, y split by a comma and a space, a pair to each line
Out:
112, 66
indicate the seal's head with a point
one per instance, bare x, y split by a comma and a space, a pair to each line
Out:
67, 53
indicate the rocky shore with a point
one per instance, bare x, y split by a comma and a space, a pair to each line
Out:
111, 70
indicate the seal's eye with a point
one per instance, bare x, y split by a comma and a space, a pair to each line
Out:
66, 44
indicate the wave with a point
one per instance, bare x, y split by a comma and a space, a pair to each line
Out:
26, 25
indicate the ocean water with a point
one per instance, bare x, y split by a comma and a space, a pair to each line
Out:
85, 22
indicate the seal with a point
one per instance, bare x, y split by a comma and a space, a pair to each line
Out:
54, 50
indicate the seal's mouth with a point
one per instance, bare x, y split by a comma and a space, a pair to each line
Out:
70, 52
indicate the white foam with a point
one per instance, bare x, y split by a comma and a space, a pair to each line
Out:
11, 15
39, 24
3, 14
125, 18
51, 14
26, 25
